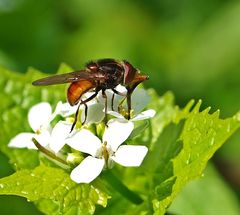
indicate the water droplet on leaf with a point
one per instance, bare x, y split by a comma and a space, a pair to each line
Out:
212, 141
237, 116
228, 128
24, 192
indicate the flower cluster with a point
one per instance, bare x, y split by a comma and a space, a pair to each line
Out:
93, 149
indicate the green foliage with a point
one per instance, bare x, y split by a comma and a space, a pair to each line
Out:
180, 141
55, 187
186, 152
220, 198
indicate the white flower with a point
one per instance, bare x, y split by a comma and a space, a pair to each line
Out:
95, 113
65, 109
143, 115
117, 98
94, 110
59, 133
140, 99
103, 153
39, 119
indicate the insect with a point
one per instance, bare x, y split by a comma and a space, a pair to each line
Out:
97, 76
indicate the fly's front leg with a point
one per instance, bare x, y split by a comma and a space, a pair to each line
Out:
121, 94
104, 95
84, 102
129, 105
129, 101
131, 87
112, 101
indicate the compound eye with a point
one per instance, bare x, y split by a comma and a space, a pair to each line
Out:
129, 73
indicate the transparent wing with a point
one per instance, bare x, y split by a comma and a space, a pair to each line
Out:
64, 78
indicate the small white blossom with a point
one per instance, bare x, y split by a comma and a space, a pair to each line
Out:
95, 113
65, 109
140, 99
59, 133
103, 153
94, 110
117, 98
39, 119
141, 116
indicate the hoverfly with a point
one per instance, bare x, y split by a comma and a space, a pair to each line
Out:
97, 76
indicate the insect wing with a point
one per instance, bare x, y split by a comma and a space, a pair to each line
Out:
63, 78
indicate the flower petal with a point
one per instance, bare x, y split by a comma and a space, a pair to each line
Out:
84, 141
116, 114
39, 115
140, 99
59, 134
117, 98
43, 138
144, 115
95, 113
65, 109
87, 170
117, 131
121, 89
129, 155
22, 140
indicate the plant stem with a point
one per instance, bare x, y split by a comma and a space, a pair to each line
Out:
48, 153
121, 188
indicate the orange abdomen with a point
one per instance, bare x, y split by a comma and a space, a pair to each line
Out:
77, 89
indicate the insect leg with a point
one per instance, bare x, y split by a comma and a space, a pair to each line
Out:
129, 101
105, 97
85, 112
84, 103
112, 101
129, 104
75, 118
131, 87
121, 94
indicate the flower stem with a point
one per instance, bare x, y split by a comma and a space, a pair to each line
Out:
121, 188
48, 153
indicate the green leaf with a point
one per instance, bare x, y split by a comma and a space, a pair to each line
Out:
220, 198
181, 141
54, 191
181, 153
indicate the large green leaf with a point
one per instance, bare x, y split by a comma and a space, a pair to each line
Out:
181, 142
54, 186
220, 198
183, 150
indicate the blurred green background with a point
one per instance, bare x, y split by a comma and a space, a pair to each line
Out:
190, 47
